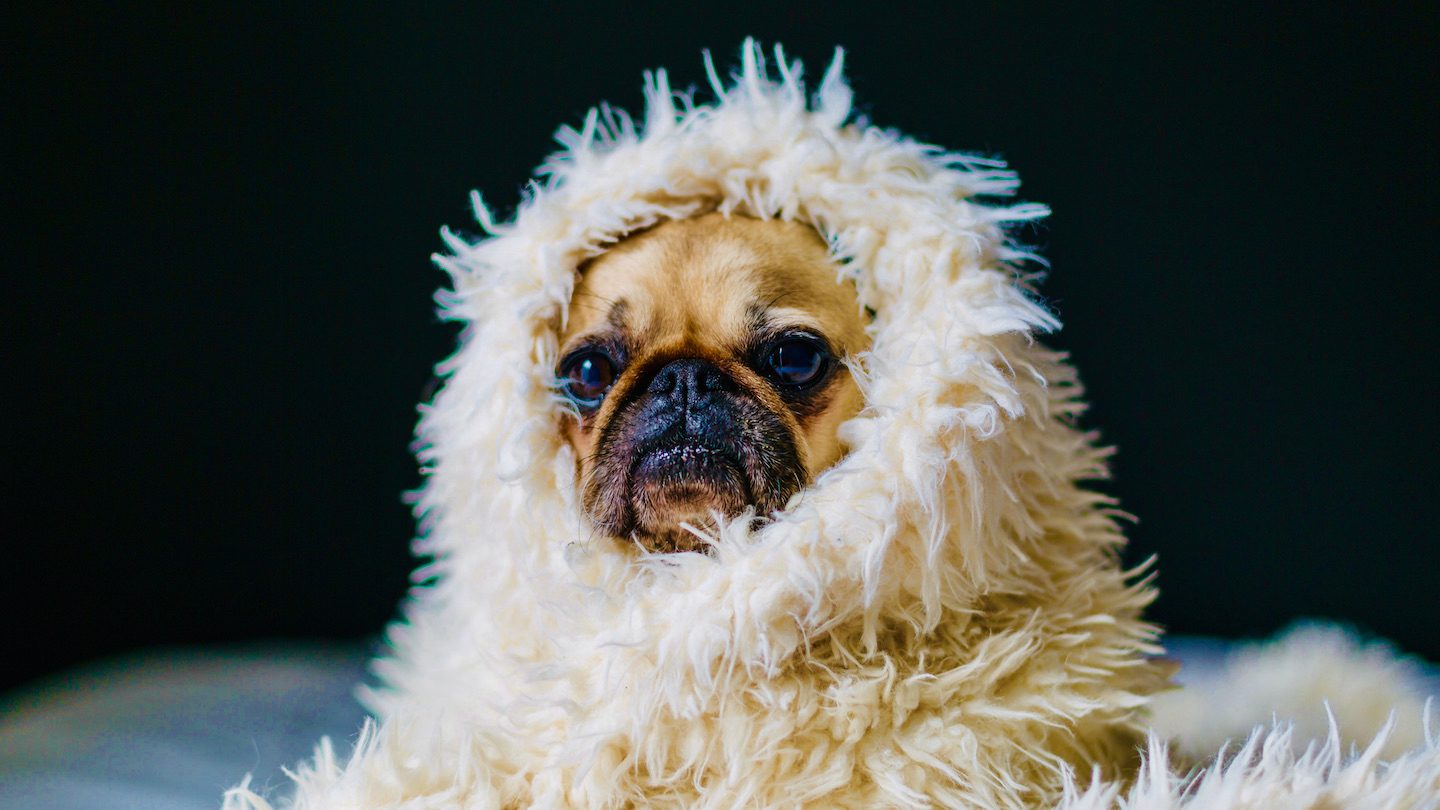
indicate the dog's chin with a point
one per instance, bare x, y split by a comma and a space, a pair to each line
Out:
687, 484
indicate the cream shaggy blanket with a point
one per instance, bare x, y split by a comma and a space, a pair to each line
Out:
940, 620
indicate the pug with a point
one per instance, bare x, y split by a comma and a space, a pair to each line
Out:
706, 363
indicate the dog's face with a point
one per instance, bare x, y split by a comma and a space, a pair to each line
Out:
704, 359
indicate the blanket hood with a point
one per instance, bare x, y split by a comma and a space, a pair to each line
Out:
940, 618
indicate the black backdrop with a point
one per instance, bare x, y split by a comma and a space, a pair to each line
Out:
218, 317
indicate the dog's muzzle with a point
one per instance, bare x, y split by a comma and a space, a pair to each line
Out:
688, 431
691, 442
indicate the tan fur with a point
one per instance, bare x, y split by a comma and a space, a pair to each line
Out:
693, 288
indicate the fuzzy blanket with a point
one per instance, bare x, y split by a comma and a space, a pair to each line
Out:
939, 620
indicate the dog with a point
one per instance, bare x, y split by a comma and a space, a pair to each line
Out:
933, 612
706, 362
941, 620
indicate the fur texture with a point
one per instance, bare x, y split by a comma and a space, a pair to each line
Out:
938, 620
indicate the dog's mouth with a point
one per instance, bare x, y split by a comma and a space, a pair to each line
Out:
683, 451
685, 480
680, 478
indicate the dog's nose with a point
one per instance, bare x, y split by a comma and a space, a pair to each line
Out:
688, 379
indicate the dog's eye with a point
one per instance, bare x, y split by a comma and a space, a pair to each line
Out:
586, 377
796, 361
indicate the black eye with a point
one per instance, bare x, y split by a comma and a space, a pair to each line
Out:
796, 361
585, 377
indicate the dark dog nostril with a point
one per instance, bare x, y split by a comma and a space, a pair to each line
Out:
664, 382
688, 377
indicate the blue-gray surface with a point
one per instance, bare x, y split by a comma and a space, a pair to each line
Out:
171, 730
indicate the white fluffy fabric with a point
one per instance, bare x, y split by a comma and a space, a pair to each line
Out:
939, 620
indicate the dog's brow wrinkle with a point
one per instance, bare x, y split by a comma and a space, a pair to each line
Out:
592, 307
589, 294
776, 300
616, 317
756, 317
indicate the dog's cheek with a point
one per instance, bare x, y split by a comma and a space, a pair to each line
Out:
604, 503
774, 459
821, 428
606, 465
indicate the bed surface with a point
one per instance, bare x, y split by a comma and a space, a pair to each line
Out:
171, 729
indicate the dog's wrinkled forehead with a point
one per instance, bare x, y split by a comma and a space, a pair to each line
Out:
694, 284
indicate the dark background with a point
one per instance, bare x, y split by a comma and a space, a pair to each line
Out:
218, 319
